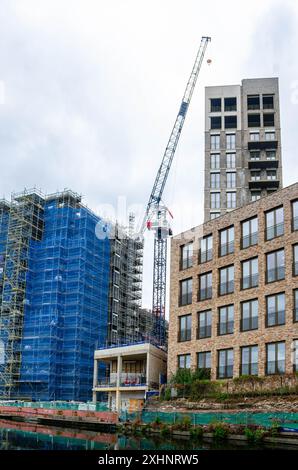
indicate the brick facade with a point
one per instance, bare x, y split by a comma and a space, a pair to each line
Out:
287, 332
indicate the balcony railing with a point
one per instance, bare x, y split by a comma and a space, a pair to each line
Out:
248, 282
204, 332
225, 372
276, 318
249, 240
185, 299
251, 368
184, 335
275, 367
205, 294
226, 288
186, 263
226, 248
205, 256
274, 231
225, 328
249, 323
275, 274
106, 382
132, 380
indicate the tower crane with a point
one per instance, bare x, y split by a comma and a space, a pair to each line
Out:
157, 214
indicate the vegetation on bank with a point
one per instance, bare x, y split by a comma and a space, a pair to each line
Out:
196, 385
218, 430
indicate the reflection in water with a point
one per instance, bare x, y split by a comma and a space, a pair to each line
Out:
15, 435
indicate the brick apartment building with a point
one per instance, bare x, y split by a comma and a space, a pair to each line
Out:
234, 291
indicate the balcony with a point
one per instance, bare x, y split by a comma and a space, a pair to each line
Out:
226, 248
248, 324
226, 288
225, 372
248, 282
205, 256
249, 240
274, 231
133, 380
262, 145
275, 274
184, 335
276, 318
225, 328
263, 184
205, 294
262, 164
204, 332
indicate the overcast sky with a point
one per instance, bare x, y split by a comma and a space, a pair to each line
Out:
90, 90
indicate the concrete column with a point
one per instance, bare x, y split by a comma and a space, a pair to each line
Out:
118, 393
95, 379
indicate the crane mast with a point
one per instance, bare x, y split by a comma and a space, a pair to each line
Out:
156, 212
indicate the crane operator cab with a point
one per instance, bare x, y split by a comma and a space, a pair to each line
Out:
159, 222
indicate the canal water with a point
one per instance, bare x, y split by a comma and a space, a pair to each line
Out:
21, 436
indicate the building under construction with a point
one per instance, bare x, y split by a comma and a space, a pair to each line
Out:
64, 291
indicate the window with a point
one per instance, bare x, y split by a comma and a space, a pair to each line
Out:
206, 248
275, 309
226, 320
249, 232
226, 280
185, 292
270, 155
255, 195
230, 141
274, 223
250, 273
184, 333
205, 286
214, 142
271, 175
268, 119
270, 135
276, 358
226, 241
215, 105
255, 155
275, 265
295, 313
186, 255
204, 361
230, 104
254, 120
214, 215
215, 122
254, 136
231, 180
294, 355
249, 315
268, 102
295, 215
249, 360
215, 161
225, 363
231, 200
184, 361
230, 122
255, 176
295, 260
253, 102
214, 180
231, 161
215, 200
204, 324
